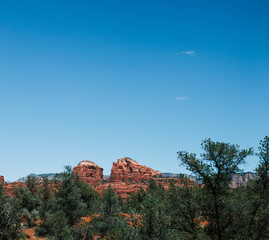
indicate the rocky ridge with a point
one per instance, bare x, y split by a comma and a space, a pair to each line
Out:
127, 176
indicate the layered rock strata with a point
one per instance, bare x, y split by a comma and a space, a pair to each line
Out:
127, 176
89, 172
126, 169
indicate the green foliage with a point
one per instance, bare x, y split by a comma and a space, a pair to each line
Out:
110, 202
263, 167
113, 227
46, 195
31, 183
30, 217
255, 216
184, 207
186, 211
68, 198
218, 162
27, 199
88, 195
10, 218
55, 227
134, 202
84, 231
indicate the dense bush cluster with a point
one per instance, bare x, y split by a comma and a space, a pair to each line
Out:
67, 208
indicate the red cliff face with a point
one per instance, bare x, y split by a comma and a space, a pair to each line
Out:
89, 172
126, 169
127, 176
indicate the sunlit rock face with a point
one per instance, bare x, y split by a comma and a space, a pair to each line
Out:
126, 169
242, 179
89, 172
127, 176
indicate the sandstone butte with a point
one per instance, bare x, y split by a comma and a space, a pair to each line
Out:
89, 172
126, 169
127, 176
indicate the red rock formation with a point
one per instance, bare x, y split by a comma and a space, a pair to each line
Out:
2, 180
126, 169
89, 172
127, 176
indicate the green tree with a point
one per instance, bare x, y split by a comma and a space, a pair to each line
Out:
10, 220
111, 224
31, 183
256, 217
110, 202
134, 202
46, 201
184, 209
29, 202
68, 198
215, 167
88, 195
66, 209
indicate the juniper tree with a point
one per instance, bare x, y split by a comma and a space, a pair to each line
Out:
215, 167
10, 219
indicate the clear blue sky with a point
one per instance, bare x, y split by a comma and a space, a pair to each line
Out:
100, 80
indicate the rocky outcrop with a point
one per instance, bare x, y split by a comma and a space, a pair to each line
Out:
127, 176
242, 179
89, 172
126, 169
2, 180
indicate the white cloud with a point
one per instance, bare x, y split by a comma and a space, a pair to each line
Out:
180, 99
190, 53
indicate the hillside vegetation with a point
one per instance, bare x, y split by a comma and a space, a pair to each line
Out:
68, 208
